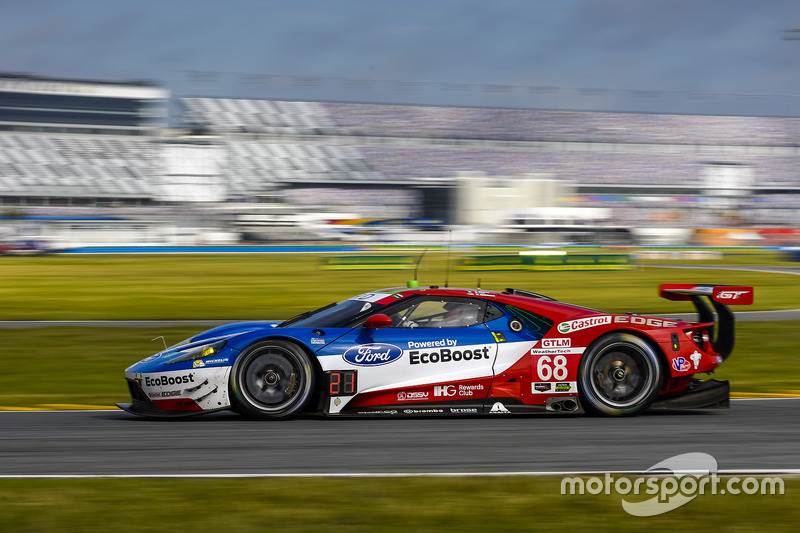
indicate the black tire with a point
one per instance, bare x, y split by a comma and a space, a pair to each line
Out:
619, 375
272, 380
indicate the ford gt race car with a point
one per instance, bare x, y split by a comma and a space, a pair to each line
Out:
447, 351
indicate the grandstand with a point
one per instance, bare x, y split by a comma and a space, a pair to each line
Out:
73, 144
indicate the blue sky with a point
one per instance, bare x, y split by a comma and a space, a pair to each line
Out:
672, 48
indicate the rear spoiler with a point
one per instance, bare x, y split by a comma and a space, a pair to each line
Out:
721, 296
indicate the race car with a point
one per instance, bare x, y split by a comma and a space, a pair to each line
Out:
447, 352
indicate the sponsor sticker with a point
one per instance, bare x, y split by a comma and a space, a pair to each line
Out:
165, 394
584, 323
681, 364
463, 391
564, 342
554, 387
200, 363
372, 354
370, 297
432, 344
168, 379
444, 390
644, 321
446, 355
556, 351
499, 408
569, 386
411, 396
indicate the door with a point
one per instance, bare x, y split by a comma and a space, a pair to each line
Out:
437, 351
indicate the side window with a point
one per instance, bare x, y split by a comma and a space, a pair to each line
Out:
439, 313
492, 313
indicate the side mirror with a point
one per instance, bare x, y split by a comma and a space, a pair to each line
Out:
378, 321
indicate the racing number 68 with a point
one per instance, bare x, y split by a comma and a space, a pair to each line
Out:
558, 370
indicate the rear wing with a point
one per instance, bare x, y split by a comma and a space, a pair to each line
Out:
724, 294
720, 296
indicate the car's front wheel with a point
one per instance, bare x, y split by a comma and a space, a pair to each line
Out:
620, 374
272, 380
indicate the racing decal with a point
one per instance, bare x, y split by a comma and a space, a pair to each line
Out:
458, 391
554, 387
564, 342
696, 357
681, 364
342, 382
164, 394
499, 337
479, 292
644, 321
372, 354
584, 323
554, 351
548, 368
499, 408
371, 296
464, 411
733, 295
168, 378
200, 363
432, 344
416, 396
446, 355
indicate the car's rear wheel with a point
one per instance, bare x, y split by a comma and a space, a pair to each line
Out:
272, 380
620, 374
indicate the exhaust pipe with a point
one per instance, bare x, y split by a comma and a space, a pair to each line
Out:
562, 404
570, 405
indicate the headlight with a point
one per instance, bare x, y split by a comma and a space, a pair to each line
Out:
197, 352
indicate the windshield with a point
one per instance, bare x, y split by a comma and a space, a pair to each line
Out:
331, 315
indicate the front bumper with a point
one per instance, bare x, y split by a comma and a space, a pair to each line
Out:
142, 405
708, 394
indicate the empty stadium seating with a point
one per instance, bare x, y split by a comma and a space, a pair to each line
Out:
269, 144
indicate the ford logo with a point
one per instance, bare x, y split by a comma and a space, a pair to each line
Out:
372, 354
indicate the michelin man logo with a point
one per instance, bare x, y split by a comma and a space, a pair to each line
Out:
695, 357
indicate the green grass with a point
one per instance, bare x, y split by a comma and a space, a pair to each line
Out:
459, 505
72, 365
258, 286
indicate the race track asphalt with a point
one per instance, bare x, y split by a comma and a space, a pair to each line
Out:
753, 435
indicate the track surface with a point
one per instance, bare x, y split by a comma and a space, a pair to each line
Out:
752, 435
